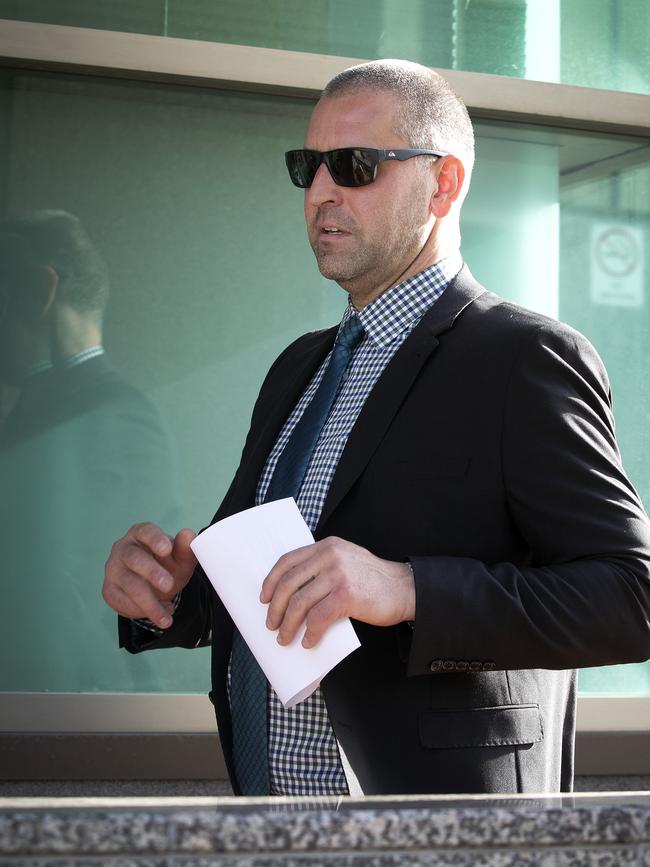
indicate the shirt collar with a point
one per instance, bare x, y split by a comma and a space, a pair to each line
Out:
79, 357
37, 369
66, 363
403, 305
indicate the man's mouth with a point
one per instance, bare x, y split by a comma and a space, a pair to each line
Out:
332, 231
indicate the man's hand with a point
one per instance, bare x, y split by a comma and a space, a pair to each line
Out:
331, 579
145, 570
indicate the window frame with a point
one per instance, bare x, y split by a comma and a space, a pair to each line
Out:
262, 70
170, 736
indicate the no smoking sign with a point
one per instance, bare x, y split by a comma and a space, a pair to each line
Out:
617, 265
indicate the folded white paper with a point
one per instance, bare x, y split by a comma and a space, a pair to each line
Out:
237, 554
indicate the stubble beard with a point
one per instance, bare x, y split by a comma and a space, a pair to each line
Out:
368, 265
344, 266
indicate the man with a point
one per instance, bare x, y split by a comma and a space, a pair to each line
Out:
464, 486
73, 437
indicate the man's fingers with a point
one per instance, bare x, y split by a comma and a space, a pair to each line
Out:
145, 569
319, 618
145, 600
287, 584
141, 563
300, 603
286, 564
139, 602
331, 579
166, 573
120, 602
181, 551
152, 537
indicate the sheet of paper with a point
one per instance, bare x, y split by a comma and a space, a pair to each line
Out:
237, 554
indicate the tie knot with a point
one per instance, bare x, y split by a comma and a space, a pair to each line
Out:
351, 333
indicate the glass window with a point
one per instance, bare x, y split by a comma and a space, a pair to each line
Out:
594, 43
175, 241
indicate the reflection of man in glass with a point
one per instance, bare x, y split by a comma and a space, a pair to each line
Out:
79, 448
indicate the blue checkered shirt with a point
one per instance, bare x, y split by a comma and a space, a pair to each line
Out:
303, 753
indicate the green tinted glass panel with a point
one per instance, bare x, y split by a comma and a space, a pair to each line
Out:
175, 188
186, 199
594, 43
130, 16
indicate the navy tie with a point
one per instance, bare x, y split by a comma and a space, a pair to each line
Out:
248, 684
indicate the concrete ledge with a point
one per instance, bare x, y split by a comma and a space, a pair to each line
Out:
372, 832
613, 753
197, 756
111, 757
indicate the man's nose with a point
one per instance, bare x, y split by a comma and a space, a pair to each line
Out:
323, 189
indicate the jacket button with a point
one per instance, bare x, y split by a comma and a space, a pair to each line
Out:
489, 666
462, 665
436, 665
449, 665
476, 666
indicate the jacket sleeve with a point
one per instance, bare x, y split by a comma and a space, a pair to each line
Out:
583, 597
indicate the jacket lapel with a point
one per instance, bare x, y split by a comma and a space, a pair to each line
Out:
393, 385
293, 376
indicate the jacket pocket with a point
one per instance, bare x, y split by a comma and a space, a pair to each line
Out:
506, 725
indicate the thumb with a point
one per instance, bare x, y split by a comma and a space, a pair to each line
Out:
181, 551
182, 555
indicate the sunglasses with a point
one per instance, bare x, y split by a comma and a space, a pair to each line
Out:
349, 167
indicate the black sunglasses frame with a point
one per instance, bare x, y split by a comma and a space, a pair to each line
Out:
365, 160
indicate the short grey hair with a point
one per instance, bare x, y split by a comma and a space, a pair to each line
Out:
430, 114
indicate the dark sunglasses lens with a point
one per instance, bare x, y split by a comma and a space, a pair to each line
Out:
353, 167
302, 166
349, 167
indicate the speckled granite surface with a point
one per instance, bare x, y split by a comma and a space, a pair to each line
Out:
597, 831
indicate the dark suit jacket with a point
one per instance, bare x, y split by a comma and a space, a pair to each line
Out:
486, 456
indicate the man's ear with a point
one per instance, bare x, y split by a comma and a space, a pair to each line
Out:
51, 285
450, 177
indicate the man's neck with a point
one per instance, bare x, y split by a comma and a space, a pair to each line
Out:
361, 299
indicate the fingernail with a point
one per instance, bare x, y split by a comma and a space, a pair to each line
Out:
162, 547
165, 621
165, 583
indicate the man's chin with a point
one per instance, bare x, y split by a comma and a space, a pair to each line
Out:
331, 268
337, 277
